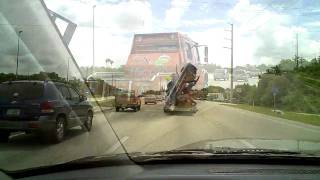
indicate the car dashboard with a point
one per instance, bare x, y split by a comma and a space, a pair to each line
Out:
187, 171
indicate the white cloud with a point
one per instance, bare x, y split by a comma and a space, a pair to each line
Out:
214, 39
176, 11
113, 24
202, 22
314, 24
264, 36
260, 35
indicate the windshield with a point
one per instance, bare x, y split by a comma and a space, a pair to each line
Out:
21, 90
149, 76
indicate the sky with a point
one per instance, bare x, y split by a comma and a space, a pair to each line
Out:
264, 30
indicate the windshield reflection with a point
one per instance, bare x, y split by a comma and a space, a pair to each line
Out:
76, 81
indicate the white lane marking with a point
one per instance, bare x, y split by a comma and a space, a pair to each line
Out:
117, 145
16, 134
249, 145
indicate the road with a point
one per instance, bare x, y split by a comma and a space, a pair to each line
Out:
152, 130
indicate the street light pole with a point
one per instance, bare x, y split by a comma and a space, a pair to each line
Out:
93, 49
18, 50
231, 71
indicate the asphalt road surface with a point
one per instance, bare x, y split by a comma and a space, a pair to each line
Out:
152, 130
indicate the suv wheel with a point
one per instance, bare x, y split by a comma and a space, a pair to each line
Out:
88, 123
59, 131
4, 136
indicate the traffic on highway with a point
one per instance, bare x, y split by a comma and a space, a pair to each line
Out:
129, 84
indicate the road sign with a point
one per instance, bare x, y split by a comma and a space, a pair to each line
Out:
239, 90
275, 90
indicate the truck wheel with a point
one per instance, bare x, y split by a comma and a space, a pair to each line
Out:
4, 136
117, 109
135, 109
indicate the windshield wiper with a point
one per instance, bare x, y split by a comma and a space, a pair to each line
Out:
220, 150
218, 153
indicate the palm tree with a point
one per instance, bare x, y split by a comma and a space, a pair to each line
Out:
109, 61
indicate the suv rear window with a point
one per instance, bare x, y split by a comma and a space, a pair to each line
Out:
24, 90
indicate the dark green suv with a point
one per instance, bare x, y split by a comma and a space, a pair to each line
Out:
45, 107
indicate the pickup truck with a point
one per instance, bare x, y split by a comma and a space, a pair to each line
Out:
125, 100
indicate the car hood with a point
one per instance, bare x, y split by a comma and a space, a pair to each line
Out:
260, 143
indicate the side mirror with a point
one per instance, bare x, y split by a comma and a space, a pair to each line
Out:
206, 54
83, 98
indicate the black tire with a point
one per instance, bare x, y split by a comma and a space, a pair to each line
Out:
117, 109
135, 109
58, 133
88, 123
4, 136
139, 107
145, 103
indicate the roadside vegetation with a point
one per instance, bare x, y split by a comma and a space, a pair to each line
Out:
296, 89
304, 118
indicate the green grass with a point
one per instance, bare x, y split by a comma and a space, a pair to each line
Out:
308, 119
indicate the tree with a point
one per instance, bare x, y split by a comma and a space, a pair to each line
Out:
215, 89
287, 65
263, 67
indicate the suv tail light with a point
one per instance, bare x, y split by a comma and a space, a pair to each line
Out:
47, 107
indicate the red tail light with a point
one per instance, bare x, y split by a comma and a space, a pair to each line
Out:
47, 107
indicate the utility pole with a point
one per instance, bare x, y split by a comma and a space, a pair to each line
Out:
68, 70
93, 7
297, 50
18, 51
231, 84
87, 68
231, 64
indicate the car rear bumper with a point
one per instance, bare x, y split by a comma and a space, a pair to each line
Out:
44, 123
181, 109
127, 105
